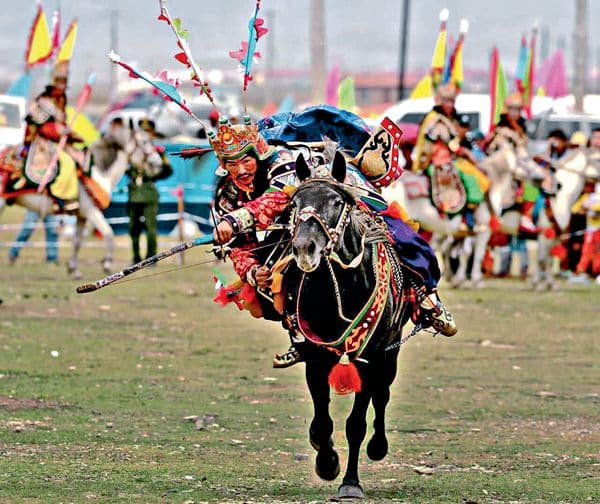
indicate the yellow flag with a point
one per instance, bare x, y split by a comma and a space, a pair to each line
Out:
66, 49
423, 88
83, 127
40, 45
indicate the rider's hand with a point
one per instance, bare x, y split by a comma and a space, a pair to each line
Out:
263, 277
223, 233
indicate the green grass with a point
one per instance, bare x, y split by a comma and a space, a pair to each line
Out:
507, 411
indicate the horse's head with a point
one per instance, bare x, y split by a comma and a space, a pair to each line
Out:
571, 174
320, 211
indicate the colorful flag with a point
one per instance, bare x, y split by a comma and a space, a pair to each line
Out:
423, 88
66, 49
529, 80
552, 76
167, 89
55, 31
21, 87
248, 53
498, 88
439, 53
346, 93
456, 68
521, 65
82, 126
39, 44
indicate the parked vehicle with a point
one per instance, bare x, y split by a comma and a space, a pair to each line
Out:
12, 125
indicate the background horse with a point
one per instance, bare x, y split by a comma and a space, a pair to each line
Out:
110, 160
562, 187
339, 254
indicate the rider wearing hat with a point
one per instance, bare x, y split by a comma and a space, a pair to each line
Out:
254, 192
46, 124
511, 126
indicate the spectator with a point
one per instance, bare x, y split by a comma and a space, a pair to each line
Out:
50, 223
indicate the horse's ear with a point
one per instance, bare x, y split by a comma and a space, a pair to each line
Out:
302, 169
338, 169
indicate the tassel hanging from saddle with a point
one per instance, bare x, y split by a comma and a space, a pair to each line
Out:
344, 377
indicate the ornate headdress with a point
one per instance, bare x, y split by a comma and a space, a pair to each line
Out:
447, 72
231, 142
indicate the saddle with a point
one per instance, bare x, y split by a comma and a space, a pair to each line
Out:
448, 192
18, 177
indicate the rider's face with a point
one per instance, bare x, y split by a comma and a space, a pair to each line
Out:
447, 105
514, 112
242, 171
595, 140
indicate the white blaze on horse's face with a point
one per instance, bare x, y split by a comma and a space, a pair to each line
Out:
313, 210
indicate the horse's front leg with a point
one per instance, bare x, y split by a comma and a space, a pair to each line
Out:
327, 464
378, 445
97, 219
73, 264
356, 429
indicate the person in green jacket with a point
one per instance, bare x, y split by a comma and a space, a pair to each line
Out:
147, 164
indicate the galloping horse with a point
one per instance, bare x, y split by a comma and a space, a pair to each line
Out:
344, 292
109, 165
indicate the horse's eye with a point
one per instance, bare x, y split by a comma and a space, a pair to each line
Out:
338, 203
292, 205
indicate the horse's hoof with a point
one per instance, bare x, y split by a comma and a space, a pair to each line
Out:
351, 492
377, 448
107, 266
327, 465
76, 274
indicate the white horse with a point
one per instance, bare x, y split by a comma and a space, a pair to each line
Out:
111, 161
501, 168
569, 179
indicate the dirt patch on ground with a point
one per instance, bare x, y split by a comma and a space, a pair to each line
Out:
15, 403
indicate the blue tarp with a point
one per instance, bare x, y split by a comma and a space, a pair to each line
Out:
198, 178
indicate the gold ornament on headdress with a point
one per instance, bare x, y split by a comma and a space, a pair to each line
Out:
231, 142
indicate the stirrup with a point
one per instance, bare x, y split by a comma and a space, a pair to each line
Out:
287, 359
435, 314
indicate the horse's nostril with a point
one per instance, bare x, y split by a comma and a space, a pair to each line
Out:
295, 250
311, 248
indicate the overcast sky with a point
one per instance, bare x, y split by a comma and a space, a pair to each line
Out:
361, 34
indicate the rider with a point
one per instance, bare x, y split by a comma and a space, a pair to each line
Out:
511, 129
46, 124
255, 191
511, 126
439, 144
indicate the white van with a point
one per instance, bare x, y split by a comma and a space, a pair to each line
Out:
476, 106
12, 124
412, 111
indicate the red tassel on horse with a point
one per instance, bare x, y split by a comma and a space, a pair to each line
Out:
344, 377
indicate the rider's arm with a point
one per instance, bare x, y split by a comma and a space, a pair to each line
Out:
245, 262
259, 213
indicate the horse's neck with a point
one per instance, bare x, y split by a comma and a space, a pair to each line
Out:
571, 181
323, 295
110, 175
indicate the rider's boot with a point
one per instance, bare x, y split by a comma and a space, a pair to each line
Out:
435, 314
292, 355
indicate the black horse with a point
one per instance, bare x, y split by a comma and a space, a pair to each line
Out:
345, 294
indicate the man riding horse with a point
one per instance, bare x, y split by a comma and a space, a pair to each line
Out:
457, 183
255, 191
46, 124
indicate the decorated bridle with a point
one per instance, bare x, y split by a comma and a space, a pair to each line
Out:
333, 234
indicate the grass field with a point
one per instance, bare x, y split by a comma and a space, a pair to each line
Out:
93, 390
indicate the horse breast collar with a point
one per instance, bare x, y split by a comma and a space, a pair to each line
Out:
360, 330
